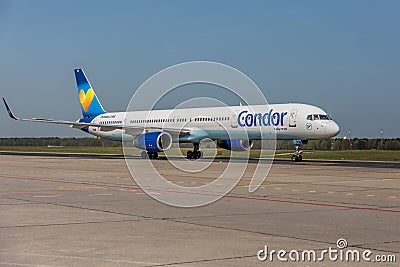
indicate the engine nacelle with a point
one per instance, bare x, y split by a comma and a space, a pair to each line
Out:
153, 141
235, 145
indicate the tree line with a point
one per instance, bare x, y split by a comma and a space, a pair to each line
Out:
57, 141
345, 144
323, 144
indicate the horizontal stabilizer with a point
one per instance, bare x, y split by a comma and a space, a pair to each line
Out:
80, 125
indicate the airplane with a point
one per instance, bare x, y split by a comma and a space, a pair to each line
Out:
232, 127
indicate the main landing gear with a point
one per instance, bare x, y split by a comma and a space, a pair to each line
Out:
150, 155
297, 157
196, 153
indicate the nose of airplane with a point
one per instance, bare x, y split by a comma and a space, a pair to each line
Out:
332, 129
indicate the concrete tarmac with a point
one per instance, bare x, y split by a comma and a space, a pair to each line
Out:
72, 211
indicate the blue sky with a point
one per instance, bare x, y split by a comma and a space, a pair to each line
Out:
340, 55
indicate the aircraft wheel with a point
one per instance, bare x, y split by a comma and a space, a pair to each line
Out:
152, 155
144, 155
189, 154
295, 158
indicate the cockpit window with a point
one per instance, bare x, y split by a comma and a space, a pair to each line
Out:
324, 117
313, 117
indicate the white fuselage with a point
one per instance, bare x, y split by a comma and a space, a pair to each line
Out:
280, 121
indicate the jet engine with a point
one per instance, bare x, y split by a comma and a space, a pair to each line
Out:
235, 145
153, 141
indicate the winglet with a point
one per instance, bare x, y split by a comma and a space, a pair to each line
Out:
9, 111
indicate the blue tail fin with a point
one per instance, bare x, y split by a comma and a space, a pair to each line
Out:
90, 105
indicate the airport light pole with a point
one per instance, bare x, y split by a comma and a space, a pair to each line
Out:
349, 139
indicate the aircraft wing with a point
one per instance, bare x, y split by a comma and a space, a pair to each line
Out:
134, 130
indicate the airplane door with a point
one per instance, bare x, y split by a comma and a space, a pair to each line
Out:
234, 123
292, 118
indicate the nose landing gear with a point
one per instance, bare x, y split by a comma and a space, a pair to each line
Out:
297, 157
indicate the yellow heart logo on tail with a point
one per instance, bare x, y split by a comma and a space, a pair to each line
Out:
86, 99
